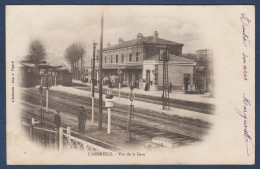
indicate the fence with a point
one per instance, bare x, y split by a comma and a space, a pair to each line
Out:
59, 139
43, 136
71, 143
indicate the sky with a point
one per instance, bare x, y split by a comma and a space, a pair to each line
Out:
59, 26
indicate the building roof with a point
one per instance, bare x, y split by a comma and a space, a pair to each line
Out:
28, 64
144, 40
60, 69
173, 58
203, 50
123, 66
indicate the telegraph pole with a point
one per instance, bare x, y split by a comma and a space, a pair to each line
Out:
93, 82
47, 93
100, 73
164, 56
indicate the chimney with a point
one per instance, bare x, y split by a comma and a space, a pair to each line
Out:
108, 44
155, 36
120, 40
140, 36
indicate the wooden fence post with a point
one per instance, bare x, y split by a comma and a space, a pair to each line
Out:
69, 133
56, 139
32, 129
61, 139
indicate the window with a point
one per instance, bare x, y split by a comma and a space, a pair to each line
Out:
122, 58
111, 59
136, 57
130, 57
116, 58
105, 59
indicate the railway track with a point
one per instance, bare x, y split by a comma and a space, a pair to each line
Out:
150, 124
188, 105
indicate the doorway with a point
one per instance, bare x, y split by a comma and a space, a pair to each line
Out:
147, 85
186, 81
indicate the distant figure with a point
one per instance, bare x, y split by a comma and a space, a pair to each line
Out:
82, 79
95, 81
162, 98
170, 87
131, 88
57, 119
131, 94
137, 83
146, 87
82, 117
109, 83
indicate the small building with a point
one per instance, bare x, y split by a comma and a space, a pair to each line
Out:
180, 72
136, 62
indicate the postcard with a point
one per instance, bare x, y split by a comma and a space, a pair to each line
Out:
130, 84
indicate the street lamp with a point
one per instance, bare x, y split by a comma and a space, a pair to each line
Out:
119, 84
92, 79
40, 90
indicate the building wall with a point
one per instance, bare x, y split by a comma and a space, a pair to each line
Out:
123, 51
175, 75
143, 53
154, 71
153, 50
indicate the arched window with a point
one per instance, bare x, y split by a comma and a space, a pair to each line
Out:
122, 58
116, 58
130, 57
136, 57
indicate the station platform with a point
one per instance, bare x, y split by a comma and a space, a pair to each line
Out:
144, 105
180, 95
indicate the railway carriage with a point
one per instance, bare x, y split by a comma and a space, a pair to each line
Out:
27, 76
64, 77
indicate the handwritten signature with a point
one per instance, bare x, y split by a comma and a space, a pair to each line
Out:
243, 114
245, 22
244, 66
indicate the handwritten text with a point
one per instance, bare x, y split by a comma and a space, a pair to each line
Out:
245, 22
243, 114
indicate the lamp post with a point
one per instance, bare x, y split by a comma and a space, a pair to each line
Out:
119, 84
93, 81
47, 93
100, 73
40, 89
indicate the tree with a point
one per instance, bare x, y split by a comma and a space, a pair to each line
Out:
73, 54
190, 56
36, 51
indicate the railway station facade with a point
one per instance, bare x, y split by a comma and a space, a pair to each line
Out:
136, 62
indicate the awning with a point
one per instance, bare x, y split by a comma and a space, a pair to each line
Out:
122, 66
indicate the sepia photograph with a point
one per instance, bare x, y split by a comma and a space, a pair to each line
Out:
130, 84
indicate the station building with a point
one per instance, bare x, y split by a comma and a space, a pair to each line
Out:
136, 62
